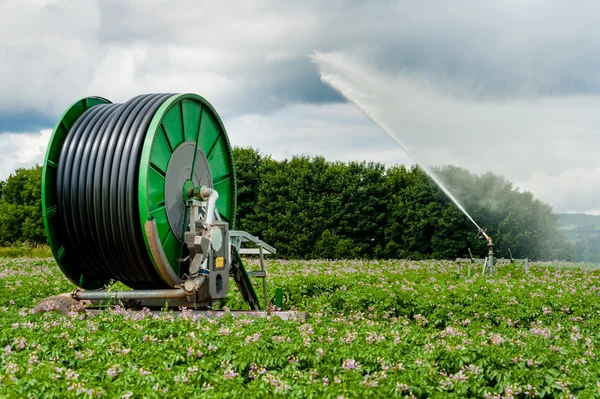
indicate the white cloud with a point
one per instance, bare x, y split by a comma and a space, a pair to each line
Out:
250, 55
334, 131
511, 87
22, 150
575, 189
56, 52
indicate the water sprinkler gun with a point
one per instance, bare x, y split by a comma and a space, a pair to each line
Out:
485, 236
490, 259
488, 238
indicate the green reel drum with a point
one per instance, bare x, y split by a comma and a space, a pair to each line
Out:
114, 186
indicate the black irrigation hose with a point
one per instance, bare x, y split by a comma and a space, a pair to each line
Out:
97, 191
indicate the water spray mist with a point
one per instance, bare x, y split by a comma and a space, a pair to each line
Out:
358, 98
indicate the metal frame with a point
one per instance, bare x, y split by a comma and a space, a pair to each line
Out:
185, 293
239, 237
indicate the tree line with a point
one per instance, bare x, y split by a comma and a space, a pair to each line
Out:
311, 208
308, 207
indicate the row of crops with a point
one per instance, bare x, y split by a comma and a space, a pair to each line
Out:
377, 329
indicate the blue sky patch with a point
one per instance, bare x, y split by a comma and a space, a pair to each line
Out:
28, 121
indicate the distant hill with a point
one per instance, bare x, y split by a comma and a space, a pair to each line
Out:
583, 231
578, 226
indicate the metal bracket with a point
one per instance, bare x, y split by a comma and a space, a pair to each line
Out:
239, 237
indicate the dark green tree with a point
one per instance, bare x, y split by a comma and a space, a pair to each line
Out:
305, 201
423, 221
20, 208
312, 208
248, 162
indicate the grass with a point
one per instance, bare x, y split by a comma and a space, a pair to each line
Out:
26, 251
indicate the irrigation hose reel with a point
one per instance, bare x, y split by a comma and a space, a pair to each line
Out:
144, 193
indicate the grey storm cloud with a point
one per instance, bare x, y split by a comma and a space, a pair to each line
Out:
251, 56
472, 72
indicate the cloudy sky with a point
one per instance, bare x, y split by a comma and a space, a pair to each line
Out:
511, 87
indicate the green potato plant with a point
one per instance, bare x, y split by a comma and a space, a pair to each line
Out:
376, 329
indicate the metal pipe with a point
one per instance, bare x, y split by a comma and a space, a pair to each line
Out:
490, 254
471, 254
211, 197
189, 287
484, 234
264, 280
135, 294
490, 258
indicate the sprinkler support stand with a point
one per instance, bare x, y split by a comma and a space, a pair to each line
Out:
471, 255
489, 263
491, 255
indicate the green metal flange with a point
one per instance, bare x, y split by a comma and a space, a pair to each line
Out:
186, 146
67, 264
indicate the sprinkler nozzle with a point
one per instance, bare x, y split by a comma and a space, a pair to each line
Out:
489, 263
483, 234
487, 238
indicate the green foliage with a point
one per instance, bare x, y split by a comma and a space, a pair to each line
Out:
377, 329
311, 208
298, 200
423, 223
20, 208
579, 225
248, 162
26, 251
332, 246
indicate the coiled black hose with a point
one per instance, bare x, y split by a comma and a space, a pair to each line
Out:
97, 191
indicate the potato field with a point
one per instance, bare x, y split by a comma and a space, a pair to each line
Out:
376, 329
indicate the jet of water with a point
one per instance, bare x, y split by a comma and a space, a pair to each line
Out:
360, 99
